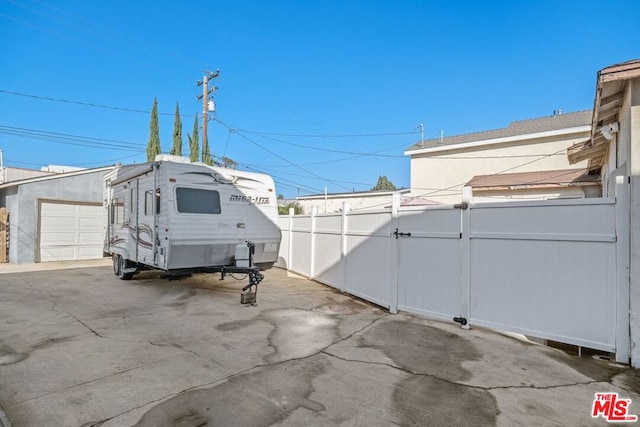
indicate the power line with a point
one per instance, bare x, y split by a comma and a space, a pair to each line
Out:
87, 104
68, 139
303, 135
287, 160
434, 193
233, 128
248, 166
328, 150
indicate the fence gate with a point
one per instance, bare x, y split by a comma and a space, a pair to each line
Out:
429, 261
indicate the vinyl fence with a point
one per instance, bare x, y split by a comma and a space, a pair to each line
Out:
555, 270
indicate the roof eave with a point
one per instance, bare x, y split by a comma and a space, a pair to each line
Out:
605, 111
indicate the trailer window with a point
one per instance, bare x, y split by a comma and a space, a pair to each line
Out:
148, 202
196, 200
117, 211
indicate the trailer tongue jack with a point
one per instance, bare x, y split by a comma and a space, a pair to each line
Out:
249, 295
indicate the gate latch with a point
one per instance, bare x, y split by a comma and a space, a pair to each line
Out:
398, 234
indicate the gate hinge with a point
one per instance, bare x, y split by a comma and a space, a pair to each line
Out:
398, 234
461, 320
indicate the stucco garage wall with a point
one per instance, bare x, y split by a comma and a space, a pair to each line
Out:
23, 208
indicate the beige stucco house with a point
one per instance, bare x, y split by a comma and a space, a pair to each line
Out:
612, 150
440, 168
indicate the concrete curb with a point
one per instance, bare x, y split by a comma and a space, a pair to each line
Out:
54, 265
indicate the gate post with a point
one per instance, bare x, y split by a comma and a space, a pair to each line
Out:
290, 251
343, 244
622, 270
312, 261
395, 254
465, 243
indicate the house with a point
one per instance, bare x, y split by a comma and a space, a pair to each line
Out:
441, 167
612, 149
9, 174
56, 216
357, 200
540, 185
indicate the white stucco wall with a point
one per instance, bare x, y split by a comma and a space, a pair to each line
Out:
629, 152
356, 202
453, 168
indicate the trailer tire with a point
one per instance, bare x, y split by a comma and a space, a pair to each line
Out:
116, 264
122, 265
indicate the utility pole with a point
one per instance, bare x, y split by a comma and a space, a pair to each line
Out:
207, 105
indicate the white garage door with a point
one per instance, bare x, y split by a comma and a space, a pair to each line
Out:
70, 231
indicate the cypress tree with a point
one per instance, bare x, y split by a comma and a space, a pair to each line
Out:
194, 142
153, 146
383, 184
176, 150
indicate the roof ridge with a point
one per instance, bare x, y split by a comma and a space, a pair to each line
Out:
548, 117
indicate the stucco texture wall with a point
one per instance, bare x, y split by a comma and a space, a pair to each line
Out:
630, 154
451, 169
23, 208
355, 203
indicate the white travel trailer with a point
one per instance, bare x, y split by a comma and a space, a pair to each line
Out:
184, 217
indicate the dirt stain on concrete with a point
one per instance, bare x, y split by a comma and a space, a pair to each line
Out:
433, 397
422, 349
262, 397
343, 305
9, 356
425, 401
596, 369
296, 333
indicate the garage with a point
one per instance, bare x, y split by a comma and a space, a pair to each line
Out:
55, 217
69, 231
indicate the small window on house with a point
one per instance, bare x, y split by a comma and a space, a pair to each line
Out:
196, 200
148, 202
132, 200
117, 211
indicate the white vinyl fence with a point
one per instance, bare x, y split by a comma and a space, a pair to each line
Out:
555, 270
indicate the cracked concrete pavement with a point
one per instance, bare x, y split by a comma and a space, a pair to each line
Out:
78, 347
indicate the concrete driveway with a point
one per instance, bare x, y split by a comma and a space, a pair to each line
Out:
78, 347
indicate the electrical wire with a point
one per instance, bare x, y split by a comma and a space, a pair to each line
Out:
88, 104
65, 138
434, 192
328, 150
289, 161
302, 135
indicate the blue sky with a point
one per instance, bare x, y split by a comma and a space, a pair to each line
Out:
331, 70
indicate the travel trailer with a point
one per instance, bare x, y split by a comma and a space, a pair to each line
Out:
183, 217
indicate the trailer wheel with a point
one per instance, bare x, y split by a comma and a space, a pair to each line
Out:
122, 265
116, 264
